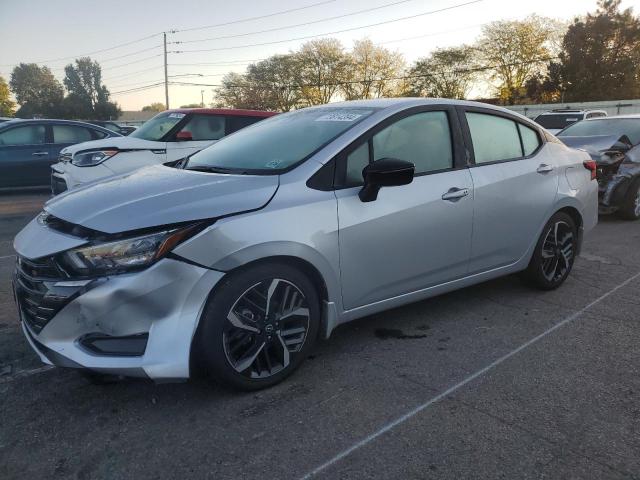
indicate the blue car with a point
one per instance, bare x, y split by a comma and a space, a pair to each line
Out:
28, 148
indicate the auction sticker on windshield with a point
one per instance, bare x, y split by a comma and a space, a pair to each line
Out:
176, 115
340, 117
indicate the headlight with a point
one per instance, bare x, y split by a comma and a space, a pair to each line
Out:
124, 255
90, 159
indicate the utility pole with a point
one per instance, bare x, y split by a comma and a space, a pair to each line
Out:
166, 75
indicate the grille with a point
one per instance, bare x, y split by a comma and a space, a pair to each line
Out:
38, 298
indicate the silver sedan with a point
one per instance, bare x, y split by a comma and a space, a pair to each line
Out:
241, 256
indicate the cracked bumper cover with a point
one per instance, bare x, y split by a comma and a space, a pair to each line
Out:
164, 301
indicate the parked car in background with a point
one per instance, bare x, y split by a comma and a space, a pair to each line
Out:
267, 240
113, 126
169, 136
614, 144
28, 148
556, 120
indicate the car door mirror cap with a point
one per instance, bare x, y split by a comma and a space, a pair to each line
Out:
184, 136
386, 172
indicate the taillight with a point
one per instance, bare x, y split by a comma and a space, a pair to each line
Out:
592, 167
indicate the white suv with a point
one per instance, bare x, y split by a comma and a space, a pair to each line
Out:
557, 120
170, 135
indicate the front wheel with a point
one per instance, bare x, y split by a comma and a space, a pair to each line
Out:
259, 326
554, 254
630, 208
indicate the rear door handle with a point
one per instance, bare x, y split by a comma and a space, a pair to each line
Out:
544, 168
454, 194
40, 154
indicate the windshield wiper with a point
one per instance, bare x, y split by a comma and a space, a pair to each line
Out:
211, 169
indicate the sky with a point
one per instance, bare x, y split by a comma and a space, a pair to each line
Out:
125, 36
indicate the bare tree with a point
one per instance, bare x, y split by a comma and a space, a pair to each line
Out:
321, 70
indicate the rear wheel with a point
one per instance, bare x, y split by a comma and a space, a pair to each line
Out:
259, 326
630, 208
554, 254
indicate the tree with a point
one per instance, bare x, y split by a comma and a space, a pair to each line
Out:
155, 107
517, 50
6, 104
88, 96
446, 73
190, 105
36, 90
601, 56
372, 71
235, 92
322, 69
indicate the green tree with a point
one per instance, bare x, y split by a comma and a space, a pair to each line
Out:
7, 105
445, 73
601, 56
88, 96
321, 71
517, 50
155, 107
36, 90
189, 105
372, 71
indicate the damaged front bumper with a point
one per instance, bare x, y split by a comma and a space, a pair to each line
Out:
138, 324
613, 187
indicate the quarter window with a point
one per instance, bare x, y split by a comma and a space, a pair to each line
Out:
494, 138
423, 139
71, 134
530, 139
27, 135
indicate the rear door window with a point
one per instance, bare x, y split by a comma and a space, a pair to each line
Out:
494, 138
530, 139
25, 135
235, 123
71, 134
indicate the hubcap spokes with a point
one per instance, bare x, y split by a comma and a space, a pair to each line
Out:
265, 327
637, 204
557, 251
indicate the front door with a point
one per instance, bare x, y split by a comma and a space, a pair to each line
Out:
413, 236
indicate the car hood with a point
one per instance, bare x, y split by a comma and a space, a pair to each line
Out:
160, 195
121, 143
594, 144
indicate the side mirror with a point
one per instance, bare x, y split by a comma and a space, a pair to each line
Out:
387, 172
184, 136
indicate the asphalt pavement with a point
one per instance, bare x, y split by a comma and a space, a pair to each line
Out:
493, 381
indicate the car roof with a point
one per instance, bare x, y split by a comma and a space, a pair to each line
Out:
223, 111
633, 116
53, 121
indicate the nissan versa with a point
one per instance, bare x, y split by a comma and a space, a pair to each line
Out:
239, 258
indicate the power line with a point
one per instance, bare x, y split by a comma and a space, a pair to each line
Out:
138, 89
295, 25
131, 63
374, 80
460, 5
233, 22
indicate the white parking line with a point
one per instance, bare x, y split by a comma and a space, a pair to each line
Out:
7, 256
25, 373
461, 384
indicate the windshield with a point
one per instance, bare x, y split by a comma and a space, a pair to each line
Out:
558, 122
279, 142
612, 126
158, 126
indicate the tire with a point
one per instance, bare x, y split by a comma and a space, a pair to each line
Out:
258, 326
630, 208
552, 260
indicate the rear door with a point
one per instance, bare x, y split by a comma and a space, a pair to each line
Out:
413, 236
204, 130
515, 185
23, 153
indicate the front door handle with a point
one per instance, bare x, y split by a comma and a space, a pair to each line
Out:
544, 168
40, 154
454, 194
